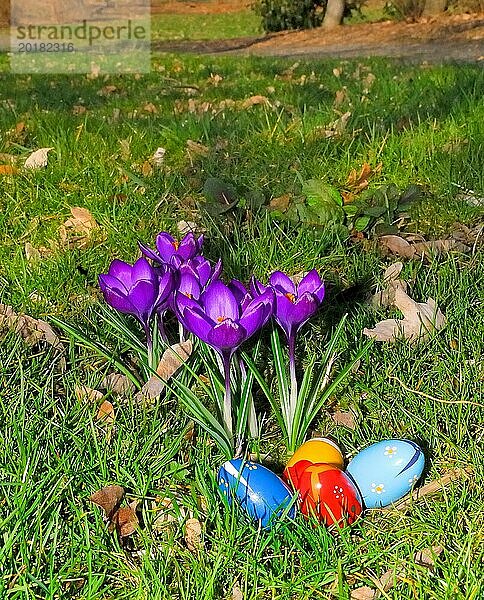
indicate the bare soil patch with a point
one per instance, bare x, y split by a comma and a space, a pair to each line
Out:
198, 7
435, 39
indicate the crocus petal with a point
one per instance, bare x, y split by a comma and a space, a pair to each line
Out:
187, 247
122, 271
256, 286
143, 297
239, 290
283, 312
304, 308
219, 302
253, 319
226, 335
217, 269
142, 270
189, 286
280, 281
119, 301
166, 286
166, 245
109, 282
149, 253
312, 283
196, 322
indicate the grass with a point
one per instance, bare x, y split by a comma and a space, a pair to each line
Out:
171, 27
425, 126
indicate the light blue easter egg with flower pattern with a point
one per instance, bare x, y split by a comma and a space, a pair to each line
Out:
262, 495
386, 471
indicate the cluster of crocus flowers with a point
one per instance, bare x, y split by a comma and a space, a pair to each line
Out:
224, 316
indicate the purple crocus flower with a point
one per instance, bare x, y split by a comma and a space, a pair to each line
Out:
202, 269
294, 305
137, 290
219, 319
171, 251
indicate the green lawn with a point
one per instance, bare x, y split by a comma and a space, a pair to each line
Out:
205, 27
424, 124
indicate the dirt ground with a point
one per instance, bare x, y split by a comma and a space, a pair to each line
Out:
436, 39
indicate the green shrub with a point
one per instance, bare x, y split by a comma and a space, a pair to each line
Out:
278, 15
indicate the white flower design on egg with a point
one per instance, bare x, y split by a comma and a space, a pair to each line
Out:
251, 466
390, 450
338, 491
378, 489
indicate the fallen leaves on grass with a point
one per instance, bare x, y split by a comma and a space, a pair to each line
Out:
419, 320
80, 230
425, 558
123, 519
106, 413
185, 227
37, 159
357, 181
237, 592
254, 101
31, 330
86, 394
395, 244
8, 170
193, 535
195, 149
345, 418
119, 384
386, 297
159, 156
337, 127
170, 362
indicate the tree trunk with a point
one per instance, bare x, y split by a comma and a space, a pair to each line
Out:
434, 7
334, 14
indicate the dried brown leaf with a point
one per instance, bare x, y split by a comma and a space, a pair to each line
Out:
149, 107
125, 519
37, 159
196, 149
107, 90
419, 320
32, 254
337, 127
437, 247
394, 244
392, 273
119, 384
363, 593
170, 362
193, 535
427, 556
345, 418
280, 203
79, 109
106, 413
80, 229
159, 156
87, 394
8, 170
237, 592
147, 169
173, 358
341, 96
358, 181
108, 498
185, 227
254, 100
30, 329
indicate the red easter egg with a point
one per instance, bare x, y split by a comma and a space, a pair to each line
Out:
329, 494
293, 473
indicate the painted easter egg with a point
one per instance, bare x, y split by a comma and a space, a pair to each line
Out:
329, 494
386, 471
317, 450
258, 491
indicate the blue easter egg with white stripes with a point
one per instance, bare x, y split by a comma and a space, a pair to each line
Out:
260, 493
386, 471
